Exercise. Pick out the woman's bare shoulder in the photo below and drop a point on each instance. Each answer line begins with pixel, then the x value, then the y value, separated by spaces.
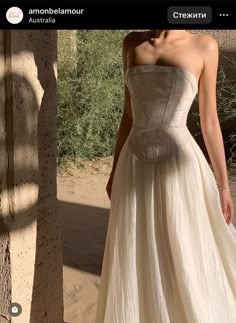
pixel 131 40
pixel 206 41
pixel 209 49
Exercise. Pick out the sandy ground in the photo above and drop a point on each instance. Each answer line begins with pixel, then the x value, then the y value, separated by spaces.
pixel 84 210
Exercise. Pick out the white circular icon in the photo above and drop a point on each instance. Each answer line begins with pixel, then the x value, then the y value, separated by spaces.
pixel 14 15
pixel 14 309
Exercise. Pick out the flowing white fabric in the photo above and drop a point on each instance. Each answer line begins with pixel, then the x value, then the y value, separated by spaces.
pixel 170 256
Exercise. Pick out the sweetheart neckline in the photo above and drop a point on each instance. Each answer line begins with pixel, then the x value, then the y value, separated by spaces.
pixel 163 67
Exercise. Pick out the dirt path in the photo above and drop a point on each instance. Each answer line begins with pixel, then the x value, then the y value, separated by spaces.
pixel 84 209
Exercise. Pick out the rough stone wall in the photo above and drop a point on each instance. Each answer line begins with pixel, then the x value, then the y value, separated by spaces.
pixel 30 236
pixel 5 265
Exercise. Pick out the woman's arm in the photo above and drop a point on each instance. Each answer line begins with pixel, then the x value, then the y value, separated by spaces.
pixel 210 125
pixel 126 119
pixel 209 121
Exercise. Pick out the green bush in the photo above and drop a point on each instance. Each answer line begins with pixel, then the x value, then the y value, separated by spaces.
pixel 90 90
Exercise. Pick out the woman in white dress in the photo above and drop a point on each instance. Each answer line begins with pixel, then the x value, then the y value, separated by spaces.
pixel 170 253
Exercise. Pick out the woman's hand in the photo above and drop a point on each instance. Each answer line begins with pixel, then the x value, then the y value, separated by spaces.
pixel 227 205
pixel 109 185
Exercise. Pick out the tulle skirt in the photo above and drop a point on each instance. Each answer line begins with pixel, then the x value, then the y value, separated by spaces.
pixel 170 256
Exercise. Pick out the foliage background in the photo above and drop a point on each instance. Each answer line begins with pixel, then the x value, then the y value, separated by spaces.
pixel 90 90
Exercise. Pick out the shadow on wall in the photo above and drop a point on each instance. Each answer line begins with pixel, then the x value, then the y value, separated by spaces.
pixel 30 131
pixel 18 176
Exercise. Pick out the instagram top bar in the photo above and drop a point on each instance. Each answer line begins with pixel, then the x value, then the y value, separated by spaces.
pixel 117 15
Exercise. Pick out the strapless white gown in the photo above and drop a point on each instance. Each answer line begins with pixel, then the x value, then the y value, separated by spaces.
pixel 170 256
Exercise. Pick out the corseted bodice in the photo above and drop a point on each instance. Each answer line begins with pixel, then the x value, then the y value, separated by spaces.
pixel 161 97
